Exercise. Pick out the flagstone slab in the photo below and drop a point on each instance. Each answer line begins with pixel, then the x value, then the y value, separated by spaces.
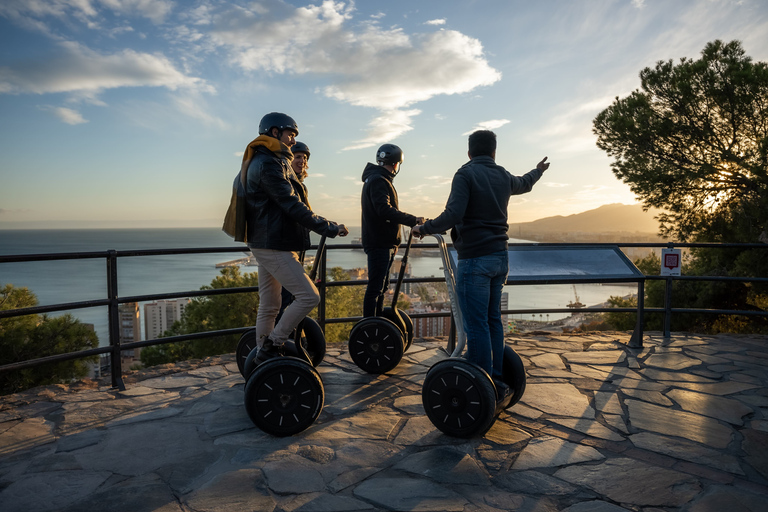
pixel 726 409
pixel 26 434
pixel 549 452
pixel 588 427
pixel 604 357
pixel 549 361
pixel 594 506
pixel 234 491
pixel 616 422
pixel 445 465
pixel 653 397
pixel 719 388
pixel 414 494
pixel 174 382
pixel 687 450
pixel 721 498
pixel 607 402
pixel 533 482
pixel 558 399
pixel 664 375
pixel 671 361
pixel 50 491
pixel 293 475
pixel 704 430
pixel 755 445
pixel 629 481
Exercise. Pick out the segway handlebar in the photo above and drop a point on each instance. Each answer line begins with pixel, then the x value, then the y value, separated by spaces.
pixel 450 280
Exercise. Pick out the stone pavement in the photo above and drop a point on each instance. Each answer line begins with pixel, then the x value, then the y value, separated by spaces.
pixel 681 425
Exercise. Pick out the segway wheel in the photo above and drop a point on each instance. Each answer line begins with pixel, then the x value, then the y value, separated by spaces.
pixel 513 374
pixel 376 344
pixel 284 396
pixel 459 398
pixel 408 329
pixel 244 346
pixel 313 341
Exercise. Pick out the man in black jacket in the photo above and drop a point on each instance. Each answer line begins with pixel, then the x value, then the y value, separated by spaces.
pixel 476 214
pixel 381 220
pixel 278 222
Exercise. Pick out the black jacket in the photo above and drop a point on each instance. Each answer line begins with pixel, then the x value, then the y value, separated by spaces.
pixel 277 213
pixel 381 217
pixel 476 211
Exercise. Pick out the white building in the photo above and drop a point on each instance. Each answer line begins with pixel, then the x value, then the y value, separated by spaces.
pixel 159 316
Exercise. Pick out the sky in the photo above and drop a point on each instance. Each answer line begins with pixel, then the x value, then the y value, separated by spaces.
pixel 136 113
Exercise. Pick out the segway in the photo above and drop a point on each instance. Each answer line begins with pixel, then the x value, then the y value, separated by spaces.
pixel 308 331
pixel 377 343
pixel 459 397
pixel 285 395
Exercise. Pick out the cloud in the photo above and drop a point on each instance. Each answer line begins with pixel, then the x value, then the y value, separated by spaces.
pixel 368 66
pixel 66 115
pixel 32 13
pixel 76 68
pixel 440 21
pixel 488 125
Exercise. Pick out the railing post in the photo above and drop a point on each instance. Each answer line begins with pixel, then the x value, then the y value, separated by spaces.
pixel 668 307
pixel 321 289
pixel 636 341
pixel 115 362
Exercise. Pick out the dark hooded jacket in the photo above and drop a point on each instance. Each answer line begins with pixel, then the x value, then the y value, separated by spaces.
pixel 277 214
pixel 476 211
pixel 381 217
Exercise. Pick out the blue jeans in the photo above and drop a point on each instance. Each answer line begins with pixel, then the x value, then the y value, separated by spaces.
pixel 479 282
pixel 379 263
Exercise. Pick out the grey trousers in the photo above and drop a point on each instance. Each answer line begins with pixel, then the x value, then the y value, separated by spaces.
pixel 278 269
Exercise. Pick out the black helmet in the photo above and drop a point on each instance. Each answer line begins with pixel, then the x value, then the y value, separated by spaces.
pixel 300 147
pixel 279 121
pixel 389 154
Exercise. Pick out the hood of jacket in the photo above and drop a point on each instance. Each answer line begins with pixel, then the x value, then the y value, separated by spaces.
pixel 377 170
pixel 267 142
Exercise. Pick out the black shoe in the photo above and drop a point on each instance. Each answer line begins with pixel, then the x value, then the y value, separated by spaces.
pixel 268 351
pixel 503 391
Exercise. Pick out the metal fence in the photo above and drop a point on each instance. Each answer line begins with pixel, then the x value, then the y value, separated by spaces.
pixel 113 299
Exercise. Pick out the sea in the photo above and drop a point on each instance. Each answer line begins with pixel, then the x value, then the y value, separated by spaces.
pixel 75 280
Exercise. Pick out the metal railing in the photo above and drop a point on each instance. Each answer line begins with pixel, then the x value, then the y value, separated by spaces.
pixel 113 299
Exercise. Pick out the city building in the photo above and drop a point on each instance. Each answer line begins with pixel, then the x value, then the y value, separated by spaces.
pixel 159 316
pixel 130 330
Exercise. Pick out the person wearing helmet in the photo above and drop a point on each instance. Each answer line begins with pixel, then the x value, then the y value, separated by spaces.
pixel 381 220
pixel 476 214
pixel 300 162
pixel 278 222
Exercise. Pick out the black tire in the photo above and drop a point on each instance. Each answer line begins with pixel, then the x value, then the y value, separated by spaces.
pixel 459 398
pixel 408 329
pixel 513 374
pixel 244 346
pixel 284 396
pixel 313 341
pixel 376 344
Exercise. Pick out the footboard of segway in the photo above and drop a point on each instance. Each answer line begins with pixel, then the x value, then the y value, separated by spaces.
pixel 376 344
pixel 459 398
pixel 284 396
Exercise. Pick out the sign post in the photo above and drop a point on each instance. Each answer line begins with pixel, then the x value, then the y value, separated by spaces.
pixel 671 261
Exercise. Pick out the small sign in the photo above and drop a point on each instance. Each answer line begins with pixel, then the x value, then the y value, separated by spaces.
pixel 671 261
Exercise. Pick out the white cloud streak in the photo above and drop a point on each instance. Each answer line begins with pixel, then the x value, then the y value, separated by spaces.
pixel 385 69
pixel 76 69
pixel 488 125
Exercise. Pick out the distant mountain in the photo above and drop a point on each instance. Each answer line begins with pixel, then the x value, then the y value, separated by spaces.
pixel 609 218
